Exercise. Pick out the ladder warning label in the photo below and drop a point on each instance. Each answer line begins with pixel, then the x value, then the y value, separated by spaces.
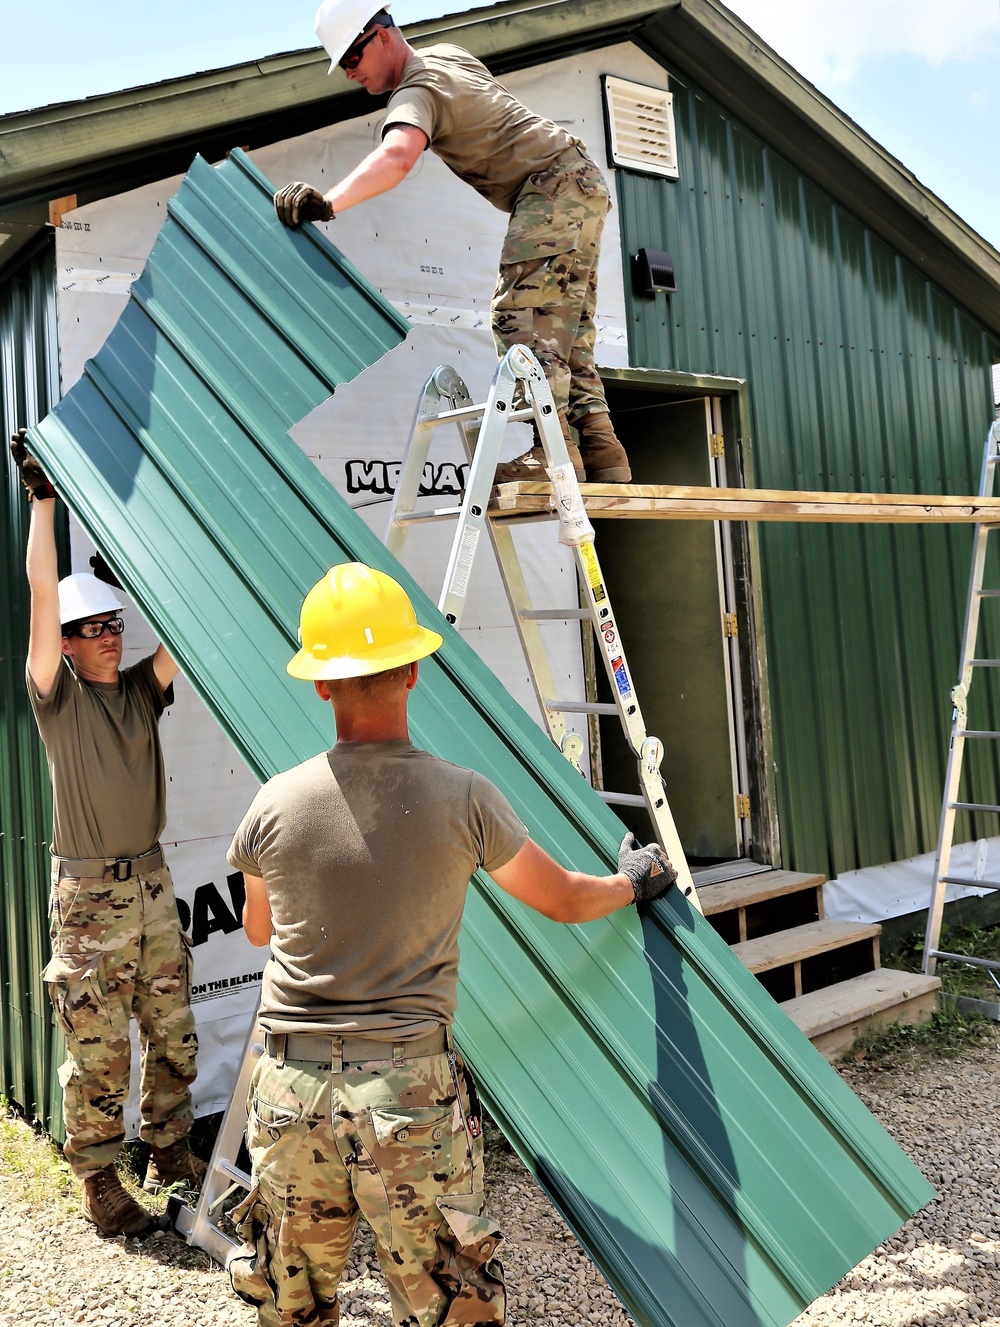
pixel 621 676
pixel 588 557
pixel 463 563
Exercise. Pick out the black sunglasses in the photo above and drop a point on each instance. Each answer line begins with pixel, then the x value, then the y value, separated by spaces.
pixel 352 58
pixel 92 629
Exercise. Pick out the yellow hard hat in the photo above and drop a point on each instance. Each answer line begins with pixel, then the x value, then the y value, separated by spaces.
pixel 357 621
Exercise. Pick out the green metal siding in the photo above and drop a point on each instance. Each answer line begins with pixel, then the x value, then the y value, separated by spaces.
pixel 30 1049
pixel 716 1167
pixel 862 376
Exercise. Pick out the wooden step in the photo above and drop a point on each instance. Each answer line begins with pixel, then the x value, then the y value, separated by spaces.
pixel 804 958
pixel 836 1016
pixel 729 894
pixel 784 947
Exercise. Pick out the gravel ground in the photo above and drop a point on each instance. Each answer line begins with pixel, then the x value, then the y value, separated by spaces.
pixel 943 1267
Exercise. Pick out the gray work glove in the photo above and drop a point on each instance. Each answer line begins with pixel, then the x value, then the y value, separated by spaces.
pixel 33 477
pixel 301 202
pixel 648 868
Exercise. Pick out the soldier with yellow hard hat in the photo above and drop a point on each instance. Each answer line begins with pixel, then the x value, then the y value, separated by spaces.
pixel 357 863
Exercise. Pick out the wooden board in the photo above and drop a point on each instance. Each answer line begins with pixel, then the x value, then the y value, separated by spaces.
pixel 680 502
pixel 729 894
pixel 799 942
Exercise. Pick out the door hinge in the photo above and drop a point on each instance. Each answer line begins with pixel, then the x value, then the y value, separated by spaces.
pixel 743 806
pixel 718 444
pixel 730 627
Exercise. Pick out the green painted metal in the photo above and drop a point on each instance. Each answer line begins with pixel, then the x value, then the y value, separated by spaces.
pixel 30 1047
pixel 715 1166
pixel 861 375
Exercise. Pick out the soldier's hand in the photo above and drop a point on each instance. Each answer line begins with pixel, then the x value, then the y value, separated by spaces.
pixel 301 202
pixel 648 868
pixel 33 477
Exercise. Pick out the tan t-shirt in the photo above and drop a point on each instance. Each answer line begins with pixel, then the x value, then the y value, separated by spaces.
pixel 367 852
pixel 109 795
pixel 473 123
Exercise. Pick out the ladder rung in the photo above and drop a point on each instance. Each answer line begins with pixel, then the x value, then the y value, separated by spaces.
pixel 622 799
pixel 984 663
pixel 987 594
pixel 435 514
pixel 471 412
pixel 972 806
pixel 580 707
pixel 972 732
pixel 224 1167
pixel 965 958
pixel 969 884
pixel 552 614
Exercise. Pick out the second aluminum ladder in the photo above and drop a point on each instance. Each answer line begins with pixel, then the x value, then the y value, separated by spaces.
pixel 969 665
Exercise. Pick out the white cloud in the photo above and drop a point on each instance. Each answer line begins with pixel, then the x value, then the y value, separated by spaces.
pixel 828 40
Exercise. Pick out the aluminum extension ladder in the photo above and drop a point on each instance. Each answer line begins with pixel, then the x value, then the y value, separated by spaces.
pixel 201 1226
pixel 961 733
pixel 482 429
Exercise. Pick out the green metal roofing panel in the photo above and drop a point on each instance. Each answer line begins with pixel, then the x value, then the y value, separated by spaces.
pixel 861 375
pixel 714 1165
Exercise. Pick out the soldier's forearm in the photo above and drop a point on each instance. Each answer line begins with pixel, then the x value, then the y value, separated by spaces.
pixel 42 563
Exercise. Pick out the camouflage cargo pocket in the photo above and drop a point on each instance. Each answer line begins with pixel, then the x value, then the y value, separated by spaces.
pixel 80 1004
pixel 248 1265
pixel 275 1132
pixel 469 1244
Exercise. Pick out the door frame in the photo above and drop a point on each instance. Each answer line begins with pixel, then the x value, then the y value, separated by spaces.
pixel 762 843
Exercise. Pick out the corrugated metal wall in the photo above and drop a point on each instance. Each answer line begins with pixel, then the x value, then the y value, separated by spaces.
pixel 29 378
pixel 863 376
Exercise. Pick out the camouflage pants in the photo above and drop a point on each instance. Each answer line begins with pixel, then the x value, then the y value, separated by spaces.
pixel 391 1141
pixel 546 295
pixel 118 953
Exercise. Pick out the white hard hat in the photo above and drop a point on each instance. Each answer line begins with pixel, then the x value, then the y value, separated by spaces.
pixel 340 22
pixel 83 595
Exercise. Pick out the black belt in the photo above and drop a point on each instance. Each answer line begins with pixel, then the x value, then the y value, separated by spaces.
pixel 324 1048
pixel 119 868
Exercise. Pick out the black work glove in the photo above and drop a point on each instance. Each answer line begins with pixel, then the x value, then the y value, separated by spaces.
pixel 648 868
pixel 301 202
pixel 103 572
pixel 33 477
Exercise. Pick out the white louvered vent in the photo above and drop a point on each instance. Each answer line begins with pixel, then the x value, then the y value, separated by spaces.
pixel 641 127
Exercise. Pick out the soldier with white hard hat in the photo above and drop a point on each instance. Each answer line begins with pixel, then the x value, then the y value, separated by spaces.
pixel 442 98
pixel 117 948
pixel 357 864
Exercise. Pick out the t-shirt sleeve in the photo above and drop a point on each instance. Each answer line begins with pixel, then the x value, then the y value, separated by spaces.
pixel 244 851
pixel 418 106
pixel 142 679
pixel 57 695
pixel 497 831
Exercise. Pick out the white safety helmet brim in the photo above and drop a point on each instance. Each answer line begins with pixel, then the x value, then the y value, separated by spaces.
pixel 339 23
pixel 83 595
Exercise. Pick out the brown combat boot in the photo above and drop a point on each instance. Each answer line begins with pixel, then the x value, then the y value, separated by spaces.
pixel 532 464
pixel 603 455
pixel 110 1208
pixel 175 1164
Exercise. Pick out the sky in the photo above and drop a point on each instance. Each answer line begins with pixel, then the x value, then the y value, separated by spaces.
pixel 919 76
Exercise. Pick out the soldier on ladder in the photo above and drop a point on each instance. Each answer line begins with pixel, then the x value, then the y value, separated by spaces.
pixel 444 99
pixel 357 864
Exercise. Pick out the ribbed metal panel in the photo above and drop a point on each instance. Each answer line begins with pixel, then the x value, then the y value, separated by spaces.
pixel 30 1049
pixel 716 1167
pixel 862 375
